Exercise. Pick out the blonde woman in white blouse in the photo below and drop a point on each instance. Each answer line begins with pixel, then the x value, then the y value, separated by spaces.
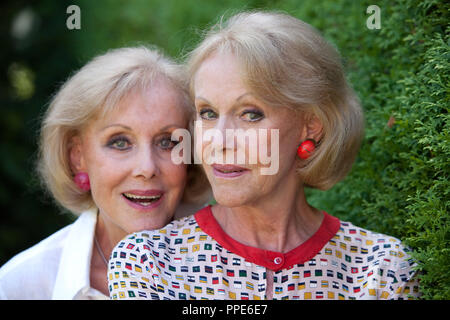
pixel 274 74
pixel 105 156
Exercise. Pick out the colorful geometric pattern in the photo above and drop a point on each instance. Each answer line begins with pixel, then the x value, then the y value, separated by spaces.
pixel 181 261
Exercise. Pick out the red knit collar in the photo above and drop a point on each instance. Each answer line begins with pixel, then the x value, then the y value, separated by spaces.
pixel 270 259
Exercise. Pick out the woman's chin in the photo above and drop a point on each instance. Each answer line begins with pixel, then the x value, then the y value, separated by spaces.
pixel 231 200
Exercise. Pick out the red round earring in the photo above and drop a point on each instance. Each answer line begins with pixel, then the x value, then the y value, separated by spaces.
pixel 306 148
pixel 81 179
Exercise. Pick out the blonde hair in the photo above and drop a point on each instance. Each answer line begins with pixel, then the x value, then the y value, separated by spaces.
pixel 95 90
pixel 286 62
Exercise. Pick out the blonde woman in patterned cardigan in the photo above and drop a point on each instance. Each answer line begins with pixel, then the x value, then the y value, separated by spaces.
pixel 274 74
pixel 106 157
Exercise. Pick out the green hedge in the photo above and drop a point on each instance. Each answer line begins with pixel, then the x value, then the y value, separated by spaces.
pixel 399 183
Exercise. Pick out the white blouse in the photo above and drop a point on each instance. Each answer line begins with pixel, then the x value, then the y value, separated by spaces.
pixel 193 258
pixel 58 267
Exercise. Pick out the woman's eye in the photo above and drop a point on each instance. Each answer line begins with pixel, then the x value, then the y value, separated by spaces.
pixel 167 143
pixel 252 115
pixel 119 143
pixel 208 114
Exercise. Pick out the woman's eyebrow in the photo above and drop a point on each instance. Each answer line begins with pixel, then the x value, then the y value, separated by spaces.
pixel 201 98
pixel 167 127
pixel 170 126
pixel 237 99
pixel 243 95
pixel 116 125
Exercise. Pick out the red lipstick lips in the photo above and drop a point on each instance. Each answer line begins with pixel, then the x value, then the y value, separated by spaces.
pixel 228 171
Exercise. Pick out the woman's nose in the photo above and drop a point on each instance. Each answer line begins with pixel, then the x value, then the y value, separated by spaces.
pixel 146 165
pixel 225 133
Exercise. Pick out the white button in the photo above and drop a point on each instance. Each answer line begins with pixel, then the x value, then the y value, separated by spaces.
pixel 278 260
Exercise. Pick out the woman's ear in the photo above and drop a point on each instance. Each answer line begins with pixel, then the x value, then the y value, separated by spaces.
pixel 313 127
pixel 77 163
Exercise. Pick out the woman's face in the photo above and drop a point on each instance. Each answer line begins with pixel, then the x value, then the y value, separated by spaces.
pixel 126 154
pixel 222 102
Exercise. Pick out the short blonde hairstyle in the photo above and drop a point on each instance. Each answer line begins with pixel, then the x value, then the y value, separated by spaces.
pixel 95 90
pixel 286 62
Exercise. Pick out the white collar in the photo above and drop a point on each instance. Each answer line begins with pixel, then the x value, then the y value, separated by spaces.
pixel 75 264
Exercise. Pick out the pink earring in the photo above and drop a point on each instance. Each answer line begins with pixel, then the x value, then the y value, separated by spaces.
pixel 306 148
pixel 81 179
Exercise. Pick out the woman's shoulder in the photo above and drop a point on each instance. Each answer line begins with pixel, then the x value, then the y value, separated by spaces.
pixel 50 246
pixel 35 267
pixel 384 256
pixel 374 248
pixel 173 228
pixel 360 237
pixel 171 234
pixel 38 266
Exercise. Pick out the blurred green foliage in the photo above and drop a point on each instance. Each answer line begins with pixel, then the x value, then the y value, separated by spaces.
pixel 399 183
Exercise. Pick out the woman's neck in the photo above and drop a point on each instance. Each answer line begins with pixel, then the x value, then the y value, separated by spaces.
pixel 279 223
pixel 107 234
pixel 101 252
